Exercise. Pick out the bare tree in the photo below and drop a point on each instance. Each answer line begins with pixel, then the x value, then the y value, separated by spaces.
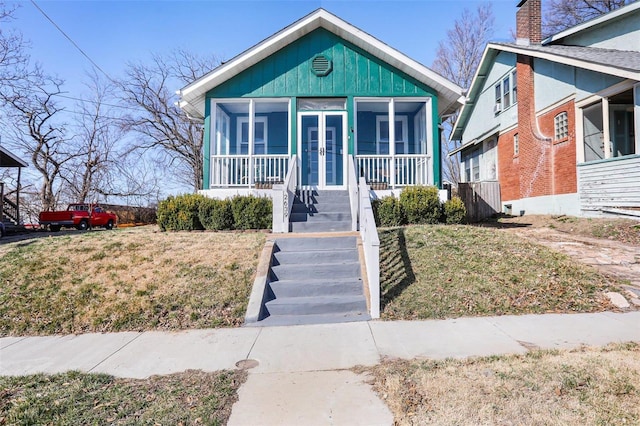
pixel 98 133
pixel 40 133
pixel 458 58
pixel 562 14
pixel 160 123
pixel 13 58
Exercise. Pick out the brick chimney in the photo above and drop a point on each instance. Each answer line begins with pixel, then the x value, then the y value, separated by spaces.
pixel 529 22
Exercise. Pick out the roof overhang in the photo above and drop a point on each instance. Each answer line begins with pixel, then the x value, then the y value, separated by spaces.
pixel 192 96
pixel 477 83
pixel 7 159
pixel 567 60
pixel 475 141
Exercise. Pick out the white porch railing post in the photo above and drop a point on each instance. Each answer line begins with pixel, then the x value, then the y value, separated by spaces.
pixel 371 246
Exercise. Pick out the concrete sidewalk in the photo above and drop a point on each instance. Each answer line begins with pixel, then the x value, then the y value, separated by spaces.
pixel 311 358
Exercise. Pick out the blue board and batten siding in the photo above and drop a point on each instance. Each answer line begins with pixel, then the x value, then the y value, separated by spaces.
pixel 355 74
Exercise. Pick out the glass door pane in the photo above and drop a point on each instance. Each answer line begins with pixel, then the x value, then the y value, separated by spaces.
pixel 333 150
pixel 310 150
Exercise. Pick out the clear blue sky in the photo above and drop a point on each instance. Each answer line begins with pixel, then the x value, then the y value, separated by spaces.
pixel 115 32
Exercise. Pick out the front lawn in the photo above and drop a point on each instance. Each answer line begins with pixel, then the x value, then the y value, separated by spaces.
pixel 580 387
pixel 437 271
pixel 74 398
pixel 128 279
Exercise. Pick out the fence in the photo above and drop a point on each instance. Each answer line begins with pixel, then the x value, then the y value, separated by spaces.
pixel 481 199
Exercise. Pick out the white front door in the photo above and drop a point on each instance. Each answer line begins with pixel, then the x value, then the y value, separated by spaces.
pixel 322 149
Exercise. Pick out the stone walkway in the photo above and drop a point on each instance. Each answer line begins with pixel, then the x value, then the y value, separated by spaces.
pixel 607 256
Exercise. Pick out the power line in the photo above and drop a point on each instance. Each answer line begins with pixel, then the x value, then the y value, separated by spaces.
pixel 96 102
pixel 71 40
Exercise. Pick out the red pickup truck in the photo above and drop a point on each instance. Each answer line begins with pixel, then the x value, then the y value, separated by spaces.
pixel 80 216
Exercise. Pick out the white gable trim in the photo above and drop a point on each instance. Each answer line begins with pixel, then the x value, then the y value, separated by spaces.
pixel 192 96
pixel 13 157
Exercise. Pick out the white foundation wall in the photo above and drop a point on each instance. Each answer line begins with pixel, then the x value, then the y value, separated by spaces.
pixel 223 193
pixel 565 204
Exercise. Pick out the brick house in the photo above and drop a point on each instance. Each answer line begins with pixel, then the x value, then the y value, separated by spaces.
pixel 553 120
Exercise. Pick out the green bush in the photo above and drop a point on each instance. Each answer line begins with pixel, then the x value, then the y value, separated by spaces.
pixel 216 215
pixel 251 212
pixel 421 204
pixel 388 212
pixel 454 211
pixel 180 213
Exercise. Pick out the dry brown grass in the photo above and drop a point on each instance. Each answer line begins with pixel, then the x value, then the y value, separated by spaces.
pixel 131 279
pixel 581 387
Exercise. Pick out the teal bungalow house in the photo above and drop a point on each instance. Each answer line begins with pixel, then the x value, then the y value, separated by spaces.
pixel 314 101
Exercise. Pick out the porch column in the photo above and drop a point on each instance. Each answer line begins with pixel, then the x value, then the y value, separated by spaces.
pixel 18 197
pixel 392 143
pixel 252 108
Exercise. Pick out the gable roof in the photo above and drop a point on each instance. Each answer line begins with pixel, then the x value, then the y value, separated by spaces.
pixel 7 159
pixel 592 23
pixel 621 63
pixel 192 96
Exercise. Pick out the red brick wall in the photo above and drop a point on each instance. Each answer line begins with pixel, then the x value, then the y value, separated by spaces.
pixel 508 167
pixel 563 155
pixel 543 166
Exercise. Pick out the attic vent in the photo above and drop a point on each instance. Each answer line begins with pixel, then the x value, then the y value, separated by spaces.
pixel 321 65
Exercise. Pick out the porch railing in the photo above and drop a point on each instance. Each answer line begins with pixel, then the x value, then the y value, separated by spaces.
pixel 386 171
pixel 249 171
pixel 371 247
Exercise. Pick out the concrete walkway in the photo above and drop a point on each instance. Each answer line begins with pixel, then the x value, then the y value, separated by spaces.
pixel 300 375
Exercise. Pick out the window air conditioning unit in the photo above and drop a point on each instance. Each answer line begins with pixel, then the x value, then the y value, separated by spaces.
pixel 497 108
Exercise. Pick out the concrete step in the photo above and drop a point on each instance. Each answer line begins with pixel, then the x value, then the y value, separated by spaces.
pixel 315 271
pixel 321 208
pixel 307 227
pixel 283 320
pixel 314 243
pixel 315 257
pixel 309 288
pixel 343 305
pixel 320 217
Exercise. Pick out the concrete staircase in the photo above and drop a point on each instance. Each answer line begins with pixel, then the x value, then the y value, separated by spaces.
pixel 320 211
pixel 314 281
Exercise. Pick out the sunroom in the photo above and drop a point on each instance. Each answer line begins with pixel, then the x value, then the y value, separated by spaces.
pixel 316 100
pixel 250 144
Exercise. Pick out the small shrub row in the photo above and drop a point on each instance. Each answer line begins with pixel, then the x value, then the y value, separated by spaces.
pixel 191 212
pixel 418 205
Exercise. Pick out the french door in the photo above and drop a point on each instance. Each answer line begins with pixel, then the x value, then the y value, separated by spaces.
pixel 322 149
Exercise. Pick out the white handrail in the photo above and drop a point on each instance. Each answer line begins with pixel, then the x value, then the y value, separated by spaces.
pixel 283 196
pixel 371 246
pixel 352 187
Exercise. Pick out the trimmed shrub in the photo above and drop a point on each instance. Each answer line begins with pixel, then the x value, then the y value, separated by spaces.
pixel 421 204
pixel 216 215
pixel 252 212
pixel 454 211
pixel 388 212
pixel 180 213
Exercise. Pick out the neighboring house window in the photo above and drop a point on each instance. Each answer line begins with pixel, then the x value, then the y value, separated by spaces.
pixel 561 126
pixel 514 85
pixel 472 165
pixel 260 135
pixel 506 92
pixel 401 136
pixel 516 145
